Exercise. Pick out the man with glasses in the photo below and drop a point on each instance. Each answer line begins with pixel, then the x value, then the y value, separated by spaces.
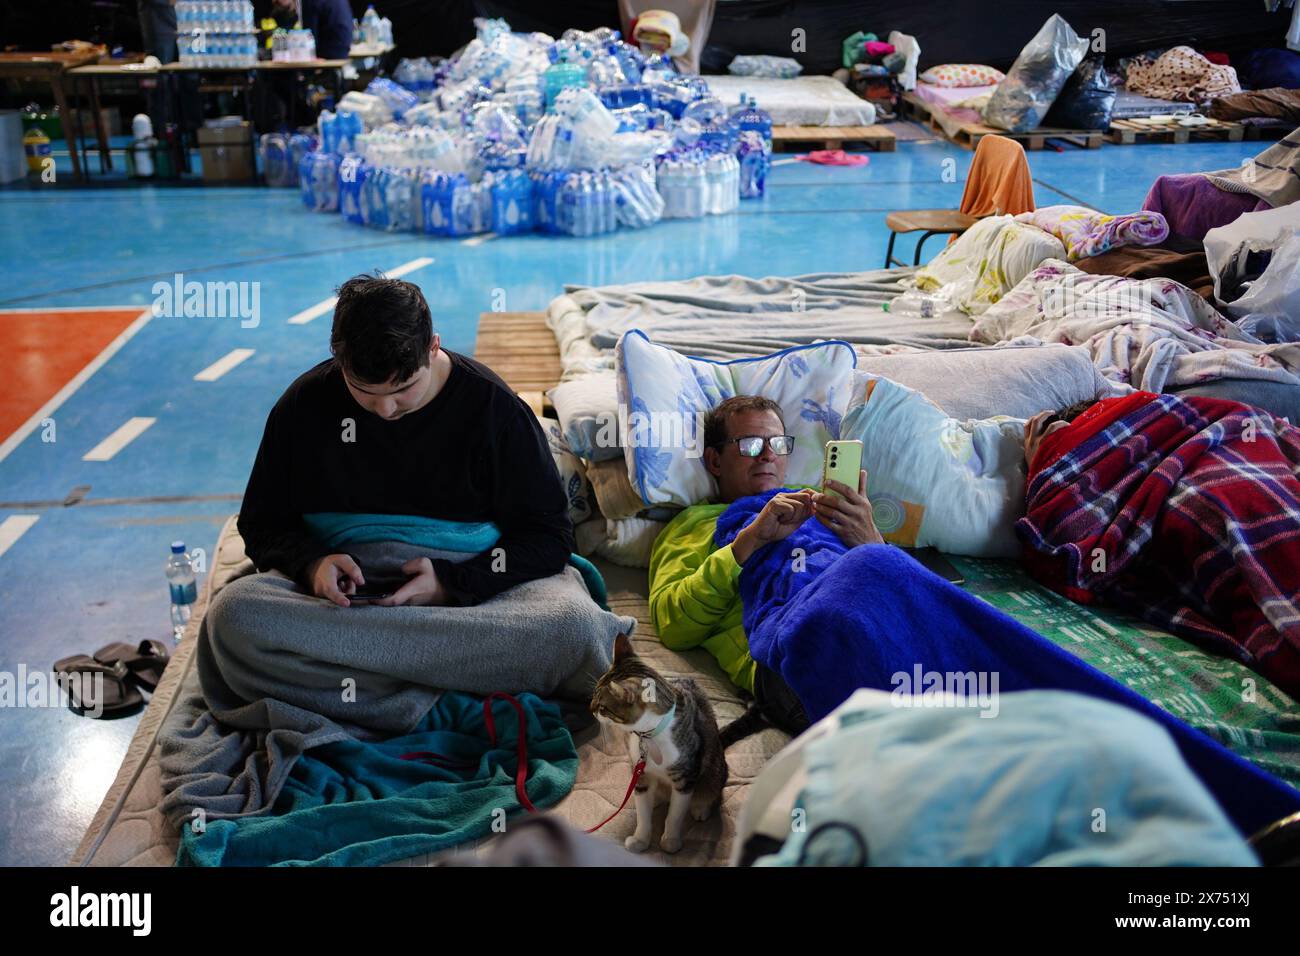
pixel 694 587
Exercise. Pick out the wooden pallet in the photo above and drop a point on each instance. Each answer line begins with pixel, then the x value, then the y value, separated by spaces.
pixel 1127 132
pixel 876 138
pixel 520 348
pixel 969 135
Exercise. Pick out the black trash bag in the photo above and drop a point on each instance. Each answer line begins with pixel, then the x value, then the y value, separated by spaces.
pixel 1087 100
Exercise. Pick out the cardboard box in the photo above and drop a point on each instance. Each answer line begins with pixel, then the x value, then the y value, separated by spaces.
pixel 226 153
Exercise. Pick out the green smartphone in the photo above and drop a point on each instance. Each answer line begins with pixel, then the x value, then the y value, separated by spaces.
pixel 843 463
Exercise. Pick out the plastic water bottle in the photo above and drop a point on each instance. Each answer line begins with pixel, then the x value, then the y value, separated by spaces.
pixel 180 577
pixel 754 164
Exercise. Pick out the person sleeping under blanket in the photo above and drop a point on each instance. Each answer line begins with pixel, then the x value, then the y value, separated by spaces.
pixel 1184 510
pixel 801 602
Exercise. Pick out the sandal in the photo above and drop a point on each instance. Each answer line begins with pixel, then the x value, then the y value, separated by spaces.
pixel 145 661
pixel 112 697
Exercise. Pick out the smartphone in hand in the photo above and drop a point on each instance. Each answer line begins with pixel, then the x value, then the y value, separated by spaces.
pixel 843 462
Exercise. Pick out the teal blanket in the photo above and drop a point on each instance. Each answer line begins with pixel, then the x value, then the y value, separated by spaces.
pixel 338 529
pixel 351 803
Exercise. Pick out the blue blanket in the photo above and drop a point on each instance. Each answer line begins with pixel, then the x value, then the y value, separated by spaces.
pixel 830 619
pixel 338 529
pixel 352 803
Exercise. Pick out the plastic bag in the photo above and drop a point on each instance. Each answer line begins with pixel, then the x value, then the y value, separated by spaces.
pixel 1086 101
pixel 1035 80
pixel 1230 251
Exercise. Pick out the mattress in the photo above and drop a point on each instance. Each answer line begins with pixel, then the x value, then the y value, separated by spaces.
pixel 129 830
pixel 801 101
pixel 945 98
pixel 1128 105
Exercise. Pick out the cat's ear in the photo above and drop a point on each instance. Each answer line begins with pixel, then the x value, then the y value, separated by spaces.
pixel 623 648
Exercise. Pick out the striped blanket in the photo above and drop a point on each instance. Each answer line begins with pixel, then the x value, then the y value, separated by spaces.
pixel 1185 511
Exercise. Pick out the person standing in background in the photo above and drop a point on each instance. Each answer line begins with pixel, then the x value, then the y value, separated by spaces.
pixel 158 28
pixel 330 22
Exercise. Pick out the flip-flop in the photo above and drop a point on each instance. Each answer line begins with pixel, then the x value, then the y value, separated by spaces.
pixel 145 661
pixel 118 696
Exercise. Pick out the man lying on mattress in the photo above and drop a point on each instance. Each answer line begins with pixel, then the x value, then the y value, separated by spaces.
pixel 1184 511
pixel 799 599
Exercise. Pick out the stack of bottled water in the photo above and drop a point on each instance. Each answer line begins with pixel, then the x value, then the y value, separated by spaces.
pixel 512 201
pixel 293 46
pixel 339 131
pixel 318 181
pixel 454 206
pixel 376 30
pixel 579 136
pixel 754 160
pixel 417 76
pixel 282 155
pixel 698 182
pixel 216 33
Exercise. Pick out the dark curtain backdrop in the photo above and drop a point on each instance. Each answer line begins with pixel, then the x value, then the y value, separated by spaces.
pixel 949 30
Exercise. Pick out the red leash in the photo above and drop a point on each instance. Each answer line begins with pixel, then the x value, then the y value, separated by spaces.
pixel 521 767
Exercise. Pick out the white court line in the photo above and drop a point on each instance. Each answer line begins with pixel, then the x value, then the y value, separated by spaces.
pixel 784 162
pixel 13 528
pixel 223 365
pixel 478 240
pixel 110 446
pixel 320 308
pixel 63 394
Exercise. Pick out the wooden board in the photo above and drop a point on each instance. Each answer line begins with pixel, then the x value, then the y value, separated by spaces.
pixel 876 138
pixel 520 348
pixel 1127 132
pixel 969 134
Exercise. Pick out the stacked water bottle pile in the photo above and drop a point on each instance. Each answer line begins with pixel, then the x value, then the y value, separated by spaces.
pixel 293 46
pixel 581 135
pixel 216 33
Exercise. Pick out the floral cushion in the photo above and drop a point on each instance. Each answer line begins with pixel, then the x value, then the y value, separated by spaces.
pixel 962 74
pixel 666 395
pixel 573 476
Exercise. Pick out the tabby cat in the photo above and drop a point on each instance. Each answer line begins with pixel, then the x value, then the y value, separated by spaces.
pixel 672 726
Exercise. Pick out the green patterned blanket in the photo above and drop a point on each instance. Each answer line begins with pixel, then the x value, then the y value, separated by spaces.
pixel 1221 697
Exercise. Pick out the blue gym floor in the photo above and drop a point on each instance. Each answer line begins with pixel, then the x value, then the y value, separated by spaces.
pixel 85 575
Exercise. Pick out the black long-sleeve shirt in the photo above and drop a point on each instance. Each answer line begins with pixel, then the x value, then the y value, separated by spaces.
pixel 475 452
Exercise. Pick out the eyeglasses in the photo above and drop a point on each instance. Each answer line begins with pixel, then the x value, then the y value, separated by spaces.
pixel 751 446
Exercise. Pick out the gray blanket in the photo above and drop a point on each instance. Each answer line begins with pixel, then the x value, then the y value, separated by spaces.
pixel 724 317
pixel 279 672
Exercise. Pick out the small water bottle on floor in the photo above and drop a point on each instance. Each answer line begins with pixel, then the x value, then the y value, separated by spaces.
pixel 180 576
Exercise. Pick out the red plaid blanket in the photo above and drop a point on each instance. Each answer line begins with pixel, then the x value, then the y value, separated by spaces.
pixel 1185 511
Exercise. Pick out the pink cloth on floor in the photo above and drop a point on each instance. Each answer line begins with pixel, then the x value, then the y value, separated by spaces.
pixel 834 157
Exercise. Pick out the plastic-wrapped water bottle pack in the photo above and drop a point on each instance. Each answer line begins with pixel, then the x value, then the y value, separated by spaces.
pixel 579 136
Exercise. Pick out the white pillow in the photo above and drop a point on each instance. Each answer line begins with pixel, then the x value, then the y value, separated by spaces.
pixel 667 394
pixel 1019 381
pixel 937 482
pixel 588 410
pixel 573 476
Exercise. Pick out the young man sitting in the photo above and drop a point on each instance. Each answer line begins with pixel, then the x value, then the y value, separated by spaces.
pixel 694 586
pixel 394 424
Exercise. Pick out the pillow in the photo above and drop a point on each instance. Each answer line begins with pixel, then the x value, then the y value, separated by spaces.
pixel 588 410
pixel 615 495
pixel 986 261
pixel 934 481
pixel 667 395
pixel 962 74
pixel 980 382
pixel 573 477
pixel 625 542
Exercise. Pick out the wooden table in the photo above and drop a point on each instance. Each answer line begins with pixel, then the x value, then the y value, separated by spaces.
pixel 51 68
pixel 90 75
